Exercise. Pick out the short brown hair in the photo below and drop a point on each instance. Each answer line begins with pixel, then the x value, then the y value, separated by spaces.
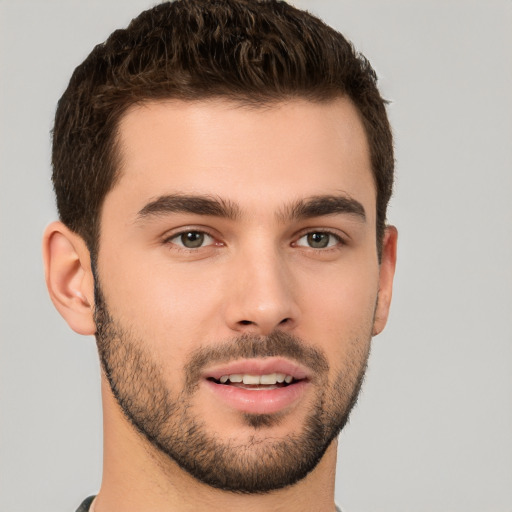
pixel 256 52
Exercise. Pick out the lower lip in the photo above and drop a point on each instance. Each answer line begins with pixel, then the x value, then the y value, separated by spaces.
pixel 261 401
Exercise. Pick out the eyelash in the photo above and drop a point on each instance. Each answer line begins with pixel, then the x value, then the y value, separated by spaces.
pixel 171 239
pixel 339 240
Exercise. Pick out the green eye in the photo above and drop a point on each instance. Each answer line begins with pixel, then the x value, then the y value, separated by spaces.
pixel 319 240
pixel 192 239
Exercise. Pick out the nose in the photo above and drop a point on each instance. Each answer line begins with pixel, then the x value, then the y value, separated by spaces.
pixel 262 297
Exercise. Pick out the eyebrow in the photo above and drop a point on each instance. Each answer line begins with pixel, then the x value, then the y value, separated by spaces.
pixel 318 206
pixel 199 205
pixel 315 206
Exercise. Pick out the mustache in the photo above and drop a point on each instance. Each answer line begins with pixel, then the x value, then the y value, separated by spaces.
pixel 251 346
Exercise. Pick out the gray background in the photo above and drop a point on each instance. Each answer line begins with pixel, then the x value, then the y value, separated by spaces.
pixel 432 431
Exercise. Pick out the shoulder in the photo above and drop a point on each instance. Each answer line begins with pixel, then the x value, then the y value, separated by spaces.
pixel 84 507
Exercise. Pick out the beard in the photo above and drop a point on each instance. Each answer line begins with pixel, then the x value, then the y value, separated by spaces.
pixel 165 417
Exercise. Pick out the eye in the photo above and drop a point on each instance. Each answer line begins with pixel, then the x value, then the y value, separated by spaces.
pixel 191 239
pixel 319 240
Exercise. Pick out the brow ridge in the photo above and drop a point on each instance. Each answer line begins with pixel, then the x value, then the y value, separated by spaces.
pixel 186 203
pixel 322 205
pixel 315 206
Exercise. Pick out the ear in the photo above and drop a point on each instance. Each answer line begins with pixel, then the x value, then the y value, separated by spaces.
pixel 386 274
pixel 69 278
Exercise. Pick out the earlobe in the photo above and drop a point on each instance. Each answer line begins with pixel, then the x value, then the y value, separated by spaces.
pixel 68 277
pixel 386 275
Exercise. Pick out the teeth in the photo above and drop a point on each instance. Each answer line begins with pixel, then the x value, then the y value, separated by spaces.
pixel 251 379
pixel 267 379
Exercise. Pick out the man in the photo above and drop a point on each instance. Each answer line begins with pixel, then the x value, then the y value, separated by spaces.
pixel 222 171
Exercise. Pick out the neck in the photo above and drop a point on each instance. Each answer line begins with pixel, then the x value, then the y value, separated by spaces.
pixel 137 477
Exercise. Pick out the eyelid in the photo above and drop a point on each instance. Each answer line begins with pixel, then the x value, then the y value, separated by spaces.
pixel 341 238
pixel 171 235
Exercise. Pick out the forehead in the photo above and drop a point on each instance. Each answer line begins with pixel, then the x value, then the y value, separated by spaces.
pixel 257 157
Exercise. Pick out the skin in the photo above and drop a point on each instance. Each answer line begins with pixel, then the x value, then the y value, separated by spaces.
pixel 255 274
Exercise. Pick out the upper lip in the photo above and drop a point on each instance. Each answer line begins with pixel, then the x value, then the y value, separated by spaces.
pixel 258 367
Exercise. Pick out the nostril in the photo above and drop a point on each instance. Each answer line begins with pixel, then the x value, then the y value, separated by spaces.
pixel 284 323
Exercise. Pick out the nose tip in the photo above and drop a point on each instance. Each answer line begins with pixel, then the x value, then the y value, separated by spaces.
pixel 262 298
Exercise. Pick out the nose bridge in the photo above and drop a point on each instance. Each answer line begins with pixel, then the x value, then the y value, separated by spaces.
pixel 262 297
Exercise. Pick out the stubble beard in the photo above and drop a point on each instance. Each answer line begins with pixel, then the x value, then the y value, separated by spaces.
pixel 259 464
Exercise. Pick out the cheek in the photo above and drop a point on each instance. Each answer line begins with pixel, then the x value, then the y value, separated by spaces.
pixel 168 307
pixel 340 305
pixel 344 305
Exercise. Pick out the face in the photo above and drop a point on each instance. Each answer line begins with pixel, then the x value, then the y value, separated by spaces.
pixel 237 284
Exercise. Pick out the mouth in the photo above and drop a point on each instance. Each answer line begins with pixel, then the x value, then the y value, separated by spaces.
pixel 264 386
pixel 267 381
